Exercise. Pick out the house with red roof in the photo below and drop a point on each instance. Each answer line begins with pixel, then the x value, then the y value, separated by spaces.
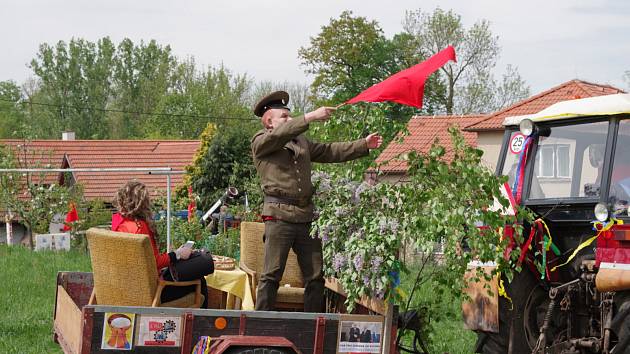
pixel 70 154
pixel 484 131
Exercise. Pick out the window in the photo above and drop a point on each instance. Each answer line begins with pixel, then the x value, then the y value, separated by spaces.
pixel 620 179
pixel 554 161
pixel 562 161
pixel 565 151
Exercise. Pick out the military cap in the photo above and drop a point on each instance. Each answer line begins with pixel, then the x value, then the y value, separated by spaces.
pixel 278 99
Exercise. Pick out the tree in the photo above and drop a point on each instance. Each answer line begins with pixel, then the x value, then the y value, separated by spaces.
pixel 224 157
pixel 141 78
pixel 125 91
pixel 470 85
pixel 11 110
pixel 74 86
pixel 351 54
pixel 216 94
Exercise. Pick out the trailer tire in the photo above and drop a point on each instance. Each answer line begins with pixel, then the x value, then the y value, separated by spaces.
pixel 258 350
pixel 511 337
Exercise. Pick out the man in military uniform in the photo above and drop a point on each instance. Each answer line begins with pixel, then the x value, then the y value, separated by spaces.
pixel 283 156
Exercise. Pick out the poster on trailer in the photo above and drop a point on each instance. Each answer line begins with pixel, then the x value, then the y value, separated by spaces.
pixel 159 331
pixel 118 331
pixel 359 335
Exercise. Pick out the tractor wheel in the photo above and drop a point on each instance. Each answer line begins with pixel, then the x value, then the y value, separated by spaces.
pixel 520 320
pixel 621 323
pixel 259 350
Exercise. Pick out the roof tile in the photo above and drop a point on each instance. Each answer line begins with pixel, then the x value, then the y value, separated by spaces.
pixel 423 131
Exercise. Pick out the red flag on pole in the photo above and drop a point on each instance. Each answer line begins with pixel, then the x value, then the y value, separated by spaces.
pixel 407 86
pixel 71 217
pixel 192 207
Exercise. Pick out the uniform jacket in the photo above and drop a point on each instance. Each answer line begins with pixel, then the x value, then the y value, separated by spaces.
pixel 283 157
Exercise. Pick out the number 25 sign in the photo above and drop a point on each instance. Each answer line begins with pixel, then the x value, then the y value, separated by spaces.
pixel 517 143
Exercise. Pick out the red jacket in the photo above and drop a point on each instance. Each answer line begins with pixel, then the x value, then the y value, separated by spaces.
pixel 122 224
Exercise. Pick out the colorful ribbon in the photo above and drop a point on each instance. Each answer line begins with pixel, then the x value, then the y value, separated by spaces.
pixel 604 227
pixel 517 188
pixel 503 293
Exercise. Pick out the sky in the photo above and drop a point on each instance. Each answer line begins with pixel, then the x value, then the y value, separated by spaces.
pixel 550 41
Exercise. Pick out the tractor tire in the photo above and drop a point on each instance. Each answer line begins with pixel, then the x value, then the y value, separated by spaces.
pixel 258 350
pixel 621 323
pixel 513 336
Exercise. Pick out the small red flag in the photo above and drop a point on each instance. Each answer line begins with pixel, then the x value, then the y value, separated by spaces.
pixel 407 86
pixel 192 207
pixel 71 217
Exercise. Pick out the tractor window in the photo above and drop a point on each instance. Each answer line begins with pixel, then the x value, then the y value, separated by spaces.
pixel 568 162
pixel 620 178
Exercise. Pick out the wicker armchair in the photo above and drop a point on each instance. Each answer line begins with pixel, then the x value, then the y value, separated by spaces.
pixel 252 262
pixel 125 273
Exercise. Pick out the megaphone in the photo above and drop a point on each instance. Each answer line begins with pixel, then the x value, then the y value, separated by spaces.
pixel 230 192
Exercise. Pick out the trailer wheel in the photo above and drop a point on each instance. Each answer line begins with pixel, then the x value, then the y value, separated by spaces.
pixel 258 350
pixel 515 328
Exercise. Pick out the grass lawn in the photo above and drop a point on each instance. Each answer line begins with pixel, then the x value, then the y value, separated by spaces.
pixel 28 281
pixel 446 327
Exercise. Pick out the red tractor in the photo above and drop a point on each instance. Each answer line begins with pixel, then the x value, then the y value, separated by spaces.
pixel 570 165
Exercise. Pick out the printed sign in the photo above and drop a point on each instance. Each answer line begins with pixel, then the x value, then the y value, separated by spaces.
pixel 360 337
pixel 159 331
pixel 517 143
pixel 118 331
pixel 53 242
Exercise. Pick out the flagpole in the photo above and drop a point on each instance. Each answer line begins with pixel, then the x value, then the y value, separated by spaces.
pixel 340 105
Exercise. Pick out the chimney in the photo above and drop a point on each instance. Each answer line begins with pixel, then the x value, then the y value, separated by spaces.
pixel 67 136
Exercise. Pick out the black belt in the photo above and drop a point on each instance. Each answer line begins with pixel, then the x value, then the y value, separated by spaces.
pixel 286 200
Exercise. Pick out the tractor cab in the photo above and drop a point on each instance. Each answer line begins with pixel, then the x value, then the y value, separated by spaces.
pixel 571 156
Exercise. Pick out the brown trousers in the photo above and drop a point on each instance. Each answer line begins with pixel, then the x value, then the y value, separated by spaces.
pixel 280 237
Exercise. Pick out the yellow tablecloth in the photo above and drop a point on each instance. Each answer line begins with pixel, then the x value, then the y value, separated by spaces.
pixel 233 282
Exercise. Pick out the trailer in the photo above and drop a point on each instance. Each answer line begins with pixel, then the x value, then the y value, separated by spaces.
pixel 80 328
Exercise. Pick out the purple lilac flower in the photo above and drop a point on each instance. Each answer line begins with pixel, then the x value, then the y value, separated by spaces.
pixel 366 280
pixel 382 226
pixel 341 212
pixel 338 261
pixel 376 263
pixel 325 232
pixel 356 196
pixel 358 262
pixel 393 225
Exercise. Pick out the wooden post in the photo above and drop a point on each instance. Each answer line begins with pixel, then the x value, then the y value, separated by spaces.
pixel 88 325
pixel 320 331
pixel 387 328
pixel 187 343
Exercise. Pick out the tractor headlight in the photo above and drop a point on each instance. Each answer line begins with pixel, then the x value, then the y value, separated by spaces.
pixel 526 127
pixel 601 212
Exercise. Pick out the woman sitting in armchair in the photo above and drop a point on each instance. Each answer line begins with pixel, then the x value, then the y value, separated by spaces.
pixel 135 216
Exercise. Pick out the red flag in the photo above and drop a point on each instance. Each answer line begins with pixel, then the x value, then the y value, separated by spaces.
pixel 192 208
pixel 407 86
pixel 71 217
